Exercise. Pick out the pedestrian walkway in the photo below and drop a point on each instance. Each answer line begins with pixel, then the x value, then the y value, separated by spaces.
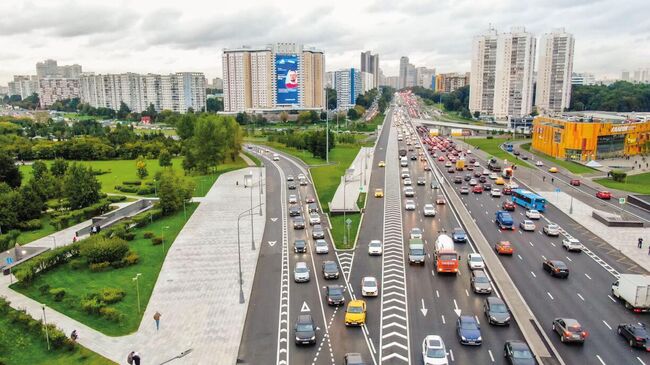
pixel 347 193
pixel 197 291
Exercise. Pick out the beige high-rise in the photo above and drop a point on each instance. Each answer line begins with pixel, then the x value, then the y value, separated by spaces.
pixel 554 71
pixel 483 73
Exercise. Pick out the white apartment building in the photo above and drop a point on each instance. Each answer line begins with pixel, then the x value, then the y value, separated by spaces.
pixel 583 78
pixel 392 81
pixel 555 68
pixel 348 84
pixel 425 77
pixel 515 62
pixel 370 64
pixel 53 89
pixel 640 75
pixel 217 83
pixel 483 73
pixel 367 82
pixel 50 68
pixel 23 85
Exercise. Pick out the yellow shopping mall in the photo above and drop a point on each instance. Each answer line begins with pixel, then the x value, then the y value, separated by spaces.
pixel 590 140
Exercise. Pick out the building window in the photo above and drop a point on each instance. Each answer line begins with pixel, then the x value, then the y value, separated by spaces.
pixel 610 146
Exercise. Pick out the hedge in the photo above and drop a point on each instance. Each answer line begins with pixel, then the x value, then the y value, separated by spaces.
pixel 116 198
pixel 30 225
pixel 146 190
pixel 8 239
pixel 98 249
pixel 27 271
pixel 618 175
pixel 127 188
pixel 132 182
pixel 76 216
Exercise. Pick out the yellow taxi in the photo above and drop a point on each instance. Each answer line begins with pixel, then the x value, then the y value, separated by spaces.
pixel 552 169
pixel 379 193
pixel 355 313
pixel 381 164
pixel 499 181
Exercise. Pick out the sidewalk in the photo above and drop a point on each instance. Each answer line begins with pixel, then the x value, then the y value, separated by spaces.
pixel 197 291
pixel 360 178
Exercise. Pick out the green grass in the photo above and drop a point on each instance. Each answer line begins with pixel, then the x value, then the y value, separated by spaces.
pixel 77 283
pixel 252 157
pixel 371 126
pixel 29 236
pixel 639 183
pixel 82 117
pixel 23 347
pixel 573 167
pixel 492 147
pixel 338 228
pixel 304 155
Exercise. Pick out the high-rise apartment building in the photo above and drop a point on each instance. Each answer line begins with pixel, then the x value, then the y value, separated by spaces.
pixel 640 75
pixel 275 77
pixel 348 85
pixel 403 71
pixel 554 70
pixel 583 78
pixel 450 82
pixel 23 85
pixel 50 68
pixel 370 64
pixel 513 89
pixel 367 81
pixel 483 73
pixel 425 77
pixel 217 83
pixel 53 89
pixel 392 81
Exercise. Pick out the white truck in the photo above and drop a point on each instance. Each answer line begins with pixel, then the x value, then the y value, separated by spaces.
pixel 634 291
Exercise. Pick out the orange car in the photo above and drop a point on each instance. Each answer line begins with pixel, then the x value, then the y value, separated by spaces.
pixel 504 248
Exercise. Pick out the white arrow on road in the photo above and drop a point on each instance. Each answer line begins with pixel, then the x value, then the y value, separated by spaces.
pixel 273 219
pixel 305 308
pixel 272 243
pixel 423 309
pixel 456 308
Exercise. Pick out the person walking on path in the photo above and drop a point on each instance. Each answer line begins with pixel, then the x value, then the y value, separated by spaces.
pixel 136 358
pixel 543 178
pixel 640 242
pixel 156 317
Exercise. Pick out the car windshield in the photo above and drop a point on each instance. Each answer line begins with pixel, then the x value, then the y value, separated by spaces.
pixel 300 243
pixel 369 282
pixel 481 279
pixel 304 327
pixel 321 243
pixel 641 332
pixel 447 257
pixel 475 259
pixel 416 231
pixel 375 244
pixel 552 226
pixel 330 266
pixel 498 308
pixel 301 269
pixel 467 325
pixel 335 290
pixel 522 354
pixel 355 309
pixel 436 353
pixel 417 251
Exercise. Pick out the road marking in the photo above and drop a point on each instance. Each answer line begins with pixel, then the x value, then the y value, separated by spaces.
pixel 531 243
pixel 424 310
pixel 518 255
pixel 568 258
pixel 610 297
pixel 549 294
pixel 533 274
pixel 607 324
pixel 456 310
pixel 272 243
pixel 274 219
pixel 553 244
pixel 433 274
pixel 641 361
pixel 437 294
pixel 451 354
pixel 491 356
pixel 588 277
pixel 466 293
pixel 544 257
pixel 601 360
pixel 304 308
pixel 443 319
pixel 580 296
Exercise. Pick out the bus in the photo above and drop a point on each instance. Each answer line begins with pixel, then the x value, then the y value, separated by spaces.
pixel 508 147
pixel 528 199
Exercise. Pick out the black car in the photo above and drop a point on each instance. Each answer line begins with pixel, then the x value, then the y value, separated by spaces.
pixel 487 186
pixel 299 223
pixel 334 295
pixel 482 179
pixel 317 232
pixel 496 311
pixel 312 207
pixel 467 177
pixel 451 170
pixel 518 353
pixel 330 270
pixel 305 330
pixel 294 211
pixel 635 334
pixel 524 157
pixel 556 268
pixel 299 246
pixel 292 186
pixel 458 180
pixel 516 153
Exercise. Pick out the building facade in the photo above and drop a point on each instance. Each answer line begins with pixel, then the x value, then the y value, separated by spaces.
pixel 50 68
pixel 23 85
pixel 554 74
pixel 53 89
pixel 590 139
pixel 217 83
pixel 348 85
pixel 583 78
pixel 392 81
pixel 425 77
pixel 483 73
pixel 403 72
pixel 370 64
pixel 450 82
pixel 281 76
pixel 367 82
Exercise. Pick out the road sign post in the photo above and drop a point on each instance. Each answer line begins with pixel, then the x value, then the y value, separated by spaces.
pixel 348 223
pixel 621 202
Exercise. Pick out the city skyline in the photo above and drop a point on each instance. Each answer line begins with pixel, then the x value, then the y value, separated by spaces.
pixel 122 37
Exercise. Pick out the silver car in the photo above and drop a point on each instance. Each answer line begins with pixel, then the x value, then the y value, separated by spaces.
pixel 551 230
pixel 572 244
pixel 480 282
pixel 409 205
pixel 321 246
pixel 475 261
pixel 314 218
pixel 301 272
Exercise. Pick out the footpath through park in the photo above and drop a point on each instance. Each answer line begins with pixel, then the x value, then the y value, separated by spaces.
pixel 197 291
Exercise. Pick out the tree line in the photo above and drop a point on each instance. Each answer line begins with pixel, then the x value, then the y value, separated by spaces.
pixel 621 96
pixel 457 101
pixel 314 141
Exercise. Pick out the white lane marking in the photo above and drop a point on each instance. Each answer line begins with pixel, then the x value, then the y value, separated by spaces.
pixel 610 297
pixel 553 244
pixel 443 319
pixel 568 258
pixel 531 243
pixel 544 257
pixel 518 255
pixel 451 354
pixel 549 294
pixel 588 277
pixel 491 356
pixel 581 297
pixel 641 361
pixel 433 273
pixel 466 293
pixel 607 324
pixel 533 274
pixel 437 294
pixel 601 360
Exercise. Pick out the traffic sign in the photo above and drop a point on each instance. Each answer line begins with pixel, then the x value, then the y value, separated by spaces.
pixel 557 190
pixel 9 260
pixel 621 201
pixel 348 221
pixel 362 189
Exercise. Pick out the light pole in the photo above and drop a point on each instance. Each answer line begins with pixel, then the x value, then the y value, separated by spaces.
pixel 248 181
pixel 47 334
pixel 241 278
pixel 327 135
pixel 162 237
pixel 137 288
pixel 571 206
pixel 260 190
pixel 345 237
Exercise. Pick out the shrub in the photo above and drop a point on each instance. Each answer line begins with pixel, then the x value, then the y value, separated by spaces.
pixel 156 241
pixel 110 295
pixel 100 266
pixel 91 305
pixel 58 339
pixel 618 175
pixel 44 289
pixel 29 270
pixel 131 259
pixel 116 198
pixel 99 248
pixel 131 182
pixel 126 188
pixel 148 234
pixel 129 236
pixel 77 264
pixel 146 190
pixel 58 294
pixel 30 225
pixel 111 314
pixel 489 137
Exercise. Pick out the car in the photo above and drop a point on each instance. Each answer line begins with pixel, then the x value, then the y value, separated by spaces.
pixel 415 233
pixel 636 335
pixel 469 167
pixel 495 193
pixel 480 282
pixel 459 235
pixel 422 180
pixel 475 261
pixel 355 313
pixel 440 200
pixel 330 270
pixel 478 189
pixel 434 184
pixel 605 195
pixel 299 246
pixel 301 272
pixel 379 193
pixel 499 181
pixel 302 177
pixel 487 186
pixel 507 191
pixel 405 174
pixel 464 190
pixel 381 164
pixel 310 199
pixel 516 153
pixel 504 248
pixel 305 330
pixel 429 210
pixel 527 225
pixel 321 246
pixel 493 176
pixel 294 211
pixel 553 170
pixel 375 248
pixel 551 230
pixel 486 172
pixel 451 170
pixel 508 205
pixel 353 358
pixel 409 192
pixel 472 182
pixel 496 311
pixel 467 177
pixel 317 232
pixel 575 182
pixel 312 207
pixel 407 182
pixel 477 174
pixel 293 199
pixel 334 294
pixel 556 268
pixel 298 223
pixel 409 204
pixel 482 179
pixel 441 158
pixel 414 157
pixel 448 164
pixel 539 163
pixel 533 214
pixel 290 178
pixel 572 244
pixel 524 157
pixel 291 186
pixel 468 331
pixel 434 351
pixel 518 353
pixel 427 167
pixel 369 286
pixel 458 180
pixel 569 330
pixel 276 157
pixel 303 182
pixel 314 218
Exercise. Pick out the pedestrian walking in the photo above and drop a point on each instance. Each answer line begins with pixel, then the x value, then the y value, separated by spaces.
pixel 640 242
pixel 129 359
pixel 74 239
pixel 136 358
pixel 74 336
pixel 156 317
pixel 552 180
pixel 543 178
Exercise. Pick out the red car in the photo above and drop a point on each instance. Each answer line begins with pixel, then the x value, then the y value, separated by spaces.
pixel 575 182
pixel 478 189
pixel 506 191
pixel 606 195
pixel 441 158
pixel 504 248
pixel 508 205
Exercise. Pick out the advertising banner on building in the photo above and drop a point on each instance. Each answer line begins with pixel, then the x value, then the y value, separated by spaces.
pixel 286 71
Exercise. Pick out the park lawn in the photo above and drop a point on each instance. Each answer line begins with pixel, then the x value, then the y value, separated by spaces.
pixel 29 236
pixel 78 283
pixel 639 183
pixel 493 147
pixel 574 167
pixel 370 126
pixel 328 177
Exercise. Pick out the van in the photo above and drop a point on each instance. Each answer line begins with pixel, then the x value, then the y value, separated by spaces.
pixel 403 162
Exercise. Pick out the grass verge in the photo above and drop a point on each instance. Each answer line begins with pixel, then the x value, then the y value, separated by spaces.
pixel 493 147
pixel 573 167
pixel 253 158
pixel 639 183
pixel 77 283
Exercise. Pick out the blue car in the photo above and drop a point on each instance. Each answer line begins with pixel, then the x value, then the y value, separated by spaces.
pixel 459 235
pixel 468 331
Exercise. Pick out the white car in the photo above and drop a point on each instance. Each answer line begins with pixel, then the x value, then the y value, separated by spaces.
pixel 533 214
pixel 276 157
pixel 408 182
pixel 321 246
pixel 493 176
pixel 429 210
pixel 301 272
pixel 289 177
pixel 475 261
pixel 434 351
pixel 301 177
pixel 448 164
pixel 495 193
pixel 416 233
pixel 476 164
pixel 293 199
pixel 369 286
pixel 375 248
pixel 572 244
pixel 409 192
pixel 314 218
pixel 539 163
pixel 409 205
pixel 527 225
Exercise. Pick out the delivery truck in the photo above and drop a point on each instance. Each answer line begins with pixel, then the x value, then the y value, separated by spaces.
pixel 634 291
pixel 445 255
pixel 460 164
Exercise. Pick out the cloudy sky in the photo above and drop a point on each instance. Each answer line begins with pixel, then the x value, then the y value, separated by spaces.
pixel 164 36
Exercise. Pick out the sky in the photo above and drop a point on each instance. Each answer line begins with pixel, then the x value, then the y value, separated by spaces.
pixel 162 36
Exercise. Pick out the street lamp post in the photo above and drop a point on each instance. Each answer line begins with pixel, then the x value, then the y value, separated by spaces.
pixel 248 181
pixel 241 278
pixel 162 237
pixel 327 135
pixel 261 191
pixel 47 334
pixel 137 288
pixel 54 239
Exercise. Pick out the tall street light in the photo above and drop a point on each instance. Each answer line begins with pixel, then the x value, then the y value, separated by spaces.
pixel 327 135
pixel 241 278
pixel 248 182
pixel 137 288
pixel 261 188
pixel 47 334
pixel 162 237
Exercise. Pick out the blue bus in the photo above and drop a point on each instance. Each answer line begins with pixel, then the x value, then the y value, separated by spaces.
pixel 508 147
pixel 528 199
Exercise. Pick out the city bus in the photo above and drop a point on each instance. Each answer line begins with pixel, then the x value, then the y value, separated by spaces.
pixel 508 147
pixel 528 199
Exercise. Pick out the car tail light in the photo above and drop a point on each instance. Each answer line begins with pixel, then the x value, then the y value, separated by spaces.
pixel 637 310
pixel 567 334
pixel 557 270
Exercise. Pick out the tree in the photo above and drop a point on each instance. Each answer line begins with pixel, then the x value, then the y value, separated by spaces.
pixel 304 117
pixel 284 116
pixel 477 114
pixel 9 200
pixel 214 105
pixel 243 118
pixel 331 98
pixel 123 111
pixel 323 115
pixel 141 166
pixel 80 186
pixel 173 191
pixel 59 167
pixel 353 114
pixel 9 172
pixel 185 126
pixel 31 203
pixel 164 158
pixel 150 112
pixel 39 169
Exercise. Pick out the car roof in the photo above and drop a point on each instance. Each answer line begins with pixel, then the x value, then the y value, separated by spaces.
pixel 467 319
pixel 301 264
pixel 494 300
pixel 558 263
pixel 570 322
pixel 300 241
pixel 518 345
pixel 478 272
pixel 369 278
pixel 356 303
pixel 434 342
pixel 304 318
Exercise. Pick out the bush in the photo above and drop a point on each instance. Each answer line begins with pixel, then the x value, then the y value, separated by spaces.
pixel 116 198
pixel 91 305
pixel 7 240
pixel 111 314
pixel 157 241
pixel 126 188
pixel 146 190
pixel 77 264
pixel 132 182
pixel 58 339
pixel 148 234
pixel 99 248
pixel 110 295
pixel 29 270
pixel 44 289
pixel 618 175
pixel 100 266
pixel 58 294
pixel 30 225
pixel 129 236
pixel 131 259
pixel 489 137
